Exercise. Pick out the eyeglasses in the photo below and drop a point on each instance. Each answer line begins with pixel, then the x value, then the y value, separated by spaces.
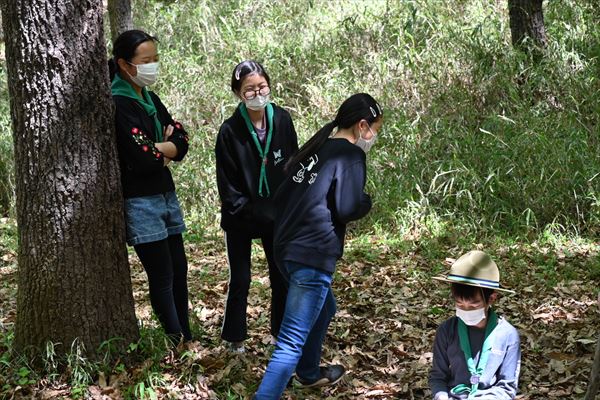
pixel 250 94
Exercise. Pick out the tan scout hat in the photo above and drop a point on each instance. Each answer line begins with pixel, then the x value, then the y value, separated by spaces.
pixel 475 268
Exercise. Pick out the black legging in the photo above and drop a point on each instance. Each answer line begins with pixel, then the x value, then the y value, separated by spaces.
pixel 166 266
pixel 238 254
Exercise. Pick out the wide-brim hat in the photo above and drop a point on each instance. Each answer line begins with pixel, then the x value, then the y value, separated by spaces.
pixel 476 268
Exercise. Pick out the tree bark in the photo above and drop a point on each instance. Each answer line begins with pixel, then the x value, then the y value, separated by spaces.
pixel 73 272
pixel 527 21
pixel 119 12
pixel 594 384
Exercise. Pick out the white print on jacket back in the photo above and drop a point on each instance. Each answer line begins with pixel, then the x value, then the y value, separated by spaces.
pixel 299 177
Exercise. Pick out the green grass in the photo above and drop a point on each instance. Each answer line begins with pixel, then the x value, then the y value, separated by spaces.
pixel 476 134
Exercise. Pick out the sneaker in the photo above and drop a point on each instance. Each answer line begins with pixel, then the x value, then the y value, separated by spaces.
pixel 330 375
pixel 236 347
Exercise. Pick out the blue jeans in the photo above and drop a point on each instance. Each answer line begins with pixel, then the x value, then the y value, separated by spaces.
pixel 309 308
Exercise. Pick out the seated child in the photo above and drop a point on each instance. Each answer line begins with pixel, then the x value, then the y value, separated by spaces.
pixel 476 354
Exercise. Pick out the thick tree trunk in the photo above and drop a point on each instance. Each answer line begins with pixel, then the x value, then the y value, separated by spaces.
pixel 527 22
pixel 594 384
pixel 73 276
pixel 119 12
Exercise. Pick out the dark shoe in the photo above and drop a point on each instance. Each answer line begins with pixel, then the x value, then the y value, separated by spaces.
pixel 330 375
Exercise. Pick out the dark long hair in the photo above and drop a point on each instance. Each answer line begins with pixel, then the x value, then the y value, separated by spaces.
pixel 357 107
pixel 125 46
pixel 244 69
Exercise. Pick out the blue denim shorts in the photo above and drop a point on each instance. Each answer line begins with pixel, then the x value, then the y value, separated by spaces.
pixel 153 218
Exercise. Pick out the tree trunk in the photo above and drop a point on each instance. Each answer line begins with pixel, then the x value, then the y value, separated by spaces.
pixel 119 12
pixel 594 384
pixel 73 274
pixel 527 22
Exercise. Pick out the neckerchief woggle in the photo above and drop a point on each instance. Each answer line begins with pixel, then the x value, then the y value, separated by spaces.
pixel 261 152
pixel 120 87
pixel 475 370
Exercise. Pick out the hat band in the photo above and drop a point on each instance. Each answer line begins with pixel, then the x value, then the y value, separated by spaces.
pixel 481 282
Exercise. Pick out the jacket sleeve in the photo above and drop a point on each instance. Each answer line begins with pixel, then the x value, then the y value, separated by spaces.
pixel 508 376
pixel 439 376
pixel 229 184
pixel 179 137
pixel 351 203
pixel 293 136
pixel 134 145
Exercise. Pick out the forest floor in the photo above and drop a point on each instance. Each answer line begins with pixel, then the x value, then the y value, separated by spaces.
pixel 388 310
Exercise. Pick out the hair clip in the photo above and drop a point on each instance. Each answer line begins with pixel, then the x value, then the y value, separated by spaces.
pixel 373 112
pixel 238 71
pixel 379 108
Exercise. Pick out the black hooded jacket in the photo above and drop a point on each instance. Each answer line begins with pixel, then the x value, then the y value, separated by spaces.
pixel 143 172
pixel 238 171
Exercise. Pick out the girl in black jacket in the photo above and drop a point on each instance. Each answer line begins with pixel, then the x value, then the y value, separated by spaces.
pixel 252 148
pixel 322 194
pixel 148 139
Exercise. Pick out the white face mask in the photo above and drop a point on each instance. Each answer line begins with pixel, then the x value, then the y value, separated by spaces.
pixel 146 74
pixel 366 145
pixel 257 103
pixel 472 317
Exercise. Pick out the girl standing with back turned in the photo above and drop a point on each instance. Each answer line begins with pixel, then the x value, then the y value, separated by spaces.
pixel 324 191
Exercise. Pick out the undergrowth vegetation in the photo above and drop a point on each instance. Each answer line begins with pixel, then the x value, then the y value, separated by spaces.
pixel 476 134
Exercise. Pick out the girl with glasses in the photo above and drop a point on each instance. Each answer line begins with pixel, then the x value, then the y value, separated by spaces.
pixel 252 148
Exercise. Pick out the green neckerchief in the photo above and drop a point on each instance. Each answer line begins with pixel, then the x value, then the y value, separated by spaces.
pixel 261 152
pixel 120 87
pixel 475 370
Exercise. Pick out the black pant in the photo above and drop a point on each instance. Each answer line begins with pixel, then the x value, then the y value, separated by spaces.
pixel 166 266
pixel 238 253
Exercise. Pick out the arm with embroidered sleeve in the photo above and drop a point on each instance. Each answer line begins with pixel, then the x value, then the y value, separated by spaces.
pixel 505 387
pixel 439 375
pixel 179 137
pixel 351 203
pixel 229 183
pixel 135 147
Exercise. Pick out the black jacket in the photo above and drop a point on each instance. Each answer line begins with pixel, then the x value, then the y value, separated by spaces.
pixel 316 201
pixel 238 171
pixel 142 166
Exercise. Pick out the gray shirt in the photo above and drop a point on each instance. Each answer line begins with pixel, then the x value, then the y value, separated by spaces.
pixel 501 374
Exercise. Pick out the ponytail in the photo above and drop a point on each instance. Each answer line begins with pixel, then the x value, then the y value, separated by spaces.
pixel 312 145
pixel 113 68
pixel 355 108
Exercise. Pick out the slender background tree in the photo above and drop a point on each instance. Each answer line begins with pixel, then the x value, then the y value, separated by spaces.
pixel 527 22
pixel 119 12
pixel 73 273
